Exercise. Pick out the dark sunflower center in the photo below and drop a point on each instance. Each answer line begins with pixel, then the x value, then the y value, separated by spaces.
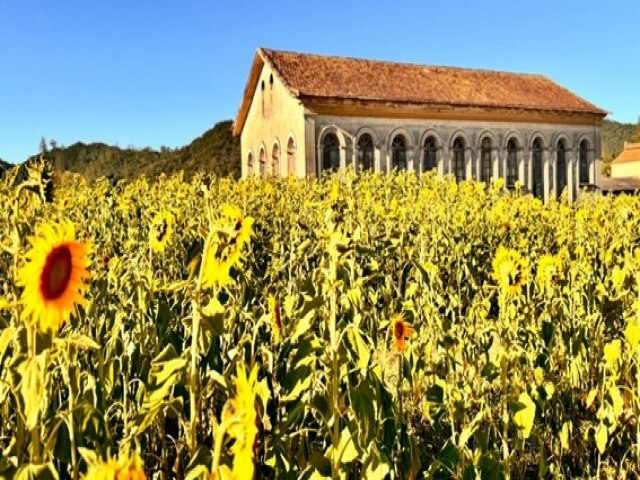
pixel 398 330
pixel 56 273
pixel 161 230
pixel 515 278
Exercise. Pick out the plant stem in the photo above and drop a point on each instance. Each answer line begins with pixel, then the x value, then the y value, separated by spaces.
pixel 195 334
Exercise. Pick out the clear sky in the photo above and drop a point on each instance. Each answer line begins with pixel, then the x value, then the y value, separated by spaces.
pixel 161 72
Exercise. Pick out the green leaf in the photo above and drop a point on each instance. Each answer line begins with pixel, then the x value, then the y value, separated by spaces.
pixel 32 371
pixel 360 348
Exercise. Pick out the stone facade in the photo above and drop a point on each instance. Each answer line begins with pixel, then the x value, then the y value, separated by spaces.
pixel 305 114
pixel 495 135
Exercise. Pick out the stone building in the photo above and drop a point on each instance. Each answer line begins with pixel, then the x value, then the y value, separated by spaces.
pixel 305 114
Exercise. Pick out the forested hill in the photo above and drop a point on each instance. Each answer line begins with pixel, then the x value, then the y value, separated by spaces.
pixel 4 166
pixel 614 134
pixel 216 151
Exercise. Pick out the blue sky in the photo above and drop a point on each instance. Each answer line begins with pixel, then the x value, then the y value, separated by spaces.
pixel 161 72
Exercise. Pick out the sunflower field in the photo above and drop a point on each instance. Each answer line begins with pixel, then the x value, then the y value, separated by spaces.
pixel 354 326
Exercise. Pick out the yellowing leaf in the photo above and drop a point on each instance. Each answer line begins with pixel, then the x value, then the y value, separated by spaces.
pixel 524 417
pixel 612 353
pixel 550 389
pixel 616 400
pixel 601 437
pixel 564 434
pixel 32 371
pixel 632 334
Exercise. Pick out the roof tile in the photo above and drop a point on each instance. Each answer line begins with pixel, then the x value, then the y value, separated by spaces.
pixel 350 78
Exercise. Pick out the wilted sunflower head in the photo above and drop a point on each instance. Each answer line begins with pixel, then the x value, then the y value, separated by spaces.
pixel 400 331
pixel 509 270
pixel 224 251
pixel 123 468
pixel 241 226
pixel 53 276
pixel 161 231
pixel 549 270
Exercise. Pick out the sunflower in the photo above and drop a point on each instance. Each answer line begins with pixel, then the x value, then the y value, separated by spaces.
pixel 232 233
pixel 276 318
pixel 509 270
pixel 161 232
pixel 549 270
pixel 401 332
pixel 242 227
pixel 240 416
pixel 53 276
pixel 124 468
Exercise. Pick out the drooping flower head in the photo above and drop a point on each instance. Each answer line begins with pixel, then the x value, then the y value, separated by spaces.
pixel 161 232
pixel 240 415
pixel 401 331
pixel 509 270
pixel 549 270
pixel 53 276
pixel 232 232
pixel 123 468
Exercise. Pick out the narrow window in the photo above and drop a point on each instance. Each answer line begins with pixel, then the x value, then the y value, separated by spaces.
pixel 561 167
pixel 250 164
pixel 330 152
pixel 538 171
pixel 399 153
pixel 458 159
pixel 430 155
pixel 365 152
pixel 584 162
pixel 275 160
pixel 291 156
pixel 512 163
pixel 485 160
pixel 263 164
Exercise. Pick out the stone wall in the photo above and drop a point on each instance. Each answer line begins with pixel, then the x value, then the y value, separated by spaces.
pixel 349 129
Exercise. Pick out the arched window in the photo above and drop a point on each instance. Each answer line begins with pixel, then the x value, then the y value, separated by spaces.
pixel 275 160
pixel 485 160
pixel 365 152
pixel 512 162
pixel 430 155
pixel 250 164
pixel 561 167
pixel 291 156
pixel 263 164
pixel 399 153
pixel 584 162
pixel 458 159
pixel 538 171
pixel 330 152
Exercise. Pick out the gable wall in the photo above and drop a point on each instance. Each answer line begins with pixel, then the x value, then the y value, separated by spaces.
pixel 274 117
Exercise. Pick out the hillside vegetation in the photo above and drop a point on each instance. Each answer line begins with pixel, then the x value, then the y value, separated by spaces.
pixel 215 152
pixel 614 134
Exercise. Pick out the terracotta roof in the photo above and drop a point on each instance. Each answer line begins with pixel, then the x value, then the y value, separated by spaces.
pixel 327 77
pixel 620 184
pixel 631 153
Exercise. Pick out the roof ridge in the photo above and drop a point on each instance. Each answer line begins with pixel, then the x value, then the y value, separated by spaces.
pixel 268 51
